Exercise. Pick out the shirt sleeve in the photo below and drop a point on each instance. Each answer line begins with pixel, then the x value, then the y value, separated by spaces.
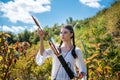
pixel 80 61
pixel 41 58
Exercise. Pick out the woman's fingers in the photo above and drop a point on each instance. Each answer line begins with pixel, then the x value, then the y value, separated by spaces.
pixel 81 75
pixel 40 32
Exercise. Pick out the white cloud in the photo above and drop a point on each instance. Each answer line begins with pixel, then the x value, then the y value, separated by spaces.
pixel 92 3
pixel 32 29
pixel 17 29
pixel 19 10
pixel 14 29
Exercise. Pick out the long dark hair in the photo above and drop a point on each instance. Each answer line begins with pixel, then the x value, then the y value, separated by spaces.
pixel 70 28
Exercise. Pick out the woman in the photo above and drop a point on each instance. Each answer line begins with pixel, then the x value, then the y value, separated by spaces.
pixel 67 48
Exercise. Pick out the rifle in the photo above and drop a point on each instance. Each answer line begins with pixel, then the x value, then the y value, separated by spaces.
pixel 62 60
pixel 36 22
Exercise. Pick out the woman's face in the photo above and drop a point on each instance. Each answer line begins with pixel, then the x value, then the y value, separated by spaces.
pixel 65 34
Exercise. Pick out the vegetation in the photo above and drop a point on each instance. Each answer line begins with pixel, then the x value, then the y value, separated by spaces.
pixel 98 37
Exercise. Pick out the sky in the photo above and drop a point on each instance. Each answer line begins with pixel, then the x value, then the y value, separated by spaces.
pixel 15 15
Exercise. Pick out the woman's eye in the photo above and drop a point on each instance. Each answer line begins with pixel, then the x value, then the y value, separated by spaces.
pixel 65 32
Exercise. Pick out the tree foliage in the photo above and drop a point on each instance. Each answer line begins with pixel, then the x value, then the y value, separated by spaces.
pixel 100 35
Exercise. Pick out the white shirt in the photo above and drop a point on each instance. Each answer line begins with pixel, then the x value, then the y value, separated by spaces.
pixel 58 71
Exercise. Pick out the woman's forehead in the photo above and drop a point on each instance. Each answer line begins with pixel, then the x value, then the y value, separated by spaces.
pixel 64 29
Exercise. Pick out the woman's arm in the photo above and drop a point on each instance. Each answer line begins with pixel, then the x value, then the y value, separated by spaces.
pixel 80 63
pixel 41 35
pixel 41 58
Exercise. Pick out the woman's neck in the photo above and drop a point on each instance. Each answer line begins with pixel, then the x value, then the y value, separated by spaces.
pixel 67 44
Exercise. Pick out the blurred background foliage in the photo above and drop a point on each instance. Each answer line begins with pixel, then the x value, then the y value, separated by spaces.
pixel 98 37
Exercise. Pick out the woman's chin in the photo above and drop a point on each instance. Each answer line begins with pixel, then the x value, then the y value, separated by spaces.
pixel 63 39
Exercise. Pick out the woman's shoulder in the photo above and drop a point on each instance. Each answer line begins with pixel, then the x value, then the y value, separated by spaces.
pixel 77 49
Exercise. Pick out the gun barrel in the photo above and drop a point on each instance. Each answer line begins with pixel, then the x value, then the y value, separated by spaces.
pixel 36 22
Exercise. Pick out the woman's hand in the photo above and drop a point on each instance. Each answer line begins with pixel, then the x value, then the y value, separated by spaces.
pixel 81 75
pixel 40 33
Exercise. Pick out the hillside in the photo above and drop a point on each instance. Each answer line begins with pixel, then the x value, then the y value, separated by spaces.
pixel 98 37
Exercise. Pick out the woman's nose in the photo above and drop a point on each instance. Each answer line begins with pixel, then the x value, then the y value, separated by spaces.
pixel 61 34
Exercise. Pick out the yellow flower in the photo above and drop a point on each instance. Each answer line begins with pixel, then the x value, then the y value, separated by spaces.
pixel 108 67
pixel 99 69
pixel 49 77
pixel 1 58
pixel 0 40
pixel 7 35
pixel 95 60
